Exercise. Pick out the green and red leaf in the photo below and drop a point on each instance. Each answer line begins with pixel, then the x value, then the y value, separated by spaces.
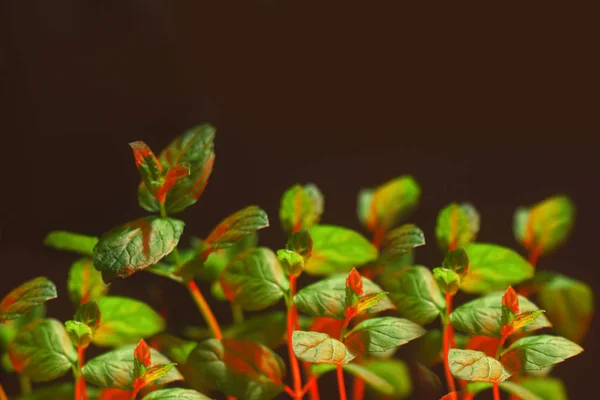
pixel 354 287
pixel 42 351
pixel 85 282
pixel 135 246
pixel 381 334
pixel 142 359
pixel 319 348
pixel 475 366
pixel 254 279
pixel 126 321
pixel 337 250
pixel 26 297
pixel 538 352
pixel 237 226
pixel 301 207
pixel 457 225
pixel 382 208
pixel 239 368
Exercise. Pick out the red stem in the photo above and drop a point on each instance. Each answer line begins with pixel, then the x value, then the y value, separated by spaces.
pixel 358 389
pixel 534 255
pixel 448 342
pixel 496 392
pixel 290 327
pixel 341 385
pixel 204 308
pixel 312 386
pixel 80 387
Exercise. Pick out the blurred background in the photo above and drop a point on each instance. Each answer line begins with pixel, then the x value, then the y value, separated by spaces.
pixel 496 107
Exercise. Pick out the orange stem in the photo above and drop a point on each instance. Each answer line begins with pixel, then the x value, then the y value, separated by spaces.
pixel 534 255
pixel 290 327
pixel 341 385
pixel 312 386
pixel 80 387
pixel 204 308
pixel 3 395
pixel 448 341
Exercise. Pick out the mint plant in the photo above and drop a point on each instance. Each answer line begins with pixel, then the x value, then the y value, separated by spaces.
pixel 369 313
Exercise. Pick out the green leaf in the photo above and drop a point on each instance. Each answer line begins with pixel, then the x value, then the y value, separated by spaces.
pixel 381 334
pixel 174 348
pixel 136 245
pixel 483 316
pixel 147 165
pixel 301 242
pixel 319 348
pixel 85 282
pixel 115 369
pixel 509 387
pixel 26 297
pixel 369 377
pixel 80 334
pixel 447 280
pixel 253 329
pixel 400 241
pixel 238 225
pixel 57 391
pixel 152 375
pixel 326 298
pixel 538 352
pixel 395 372
pixel 364 303
pixel 239 368
pixel 292 262
pixel 42 351
pixel 546 225
pixel 384 207
pixel 175 394
pixel 70 241
pixel 475 366
pixel 569 304
pixel 301 207
pixel 428 348
pixel 337 250
pixel 546 388
pixel 457 225
pixel 195 148
pixel 254 279
pixel 493 268
pixel 89 314
pixel 125 321
pixel 416 295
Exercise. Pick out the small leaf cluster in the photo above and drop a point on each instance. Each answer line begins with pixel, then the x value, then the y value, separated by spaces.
pixel 336 299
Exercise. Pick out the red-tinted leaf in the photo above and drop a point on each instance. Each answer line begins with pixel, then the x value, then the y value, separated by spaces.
pixel 147 164
pixel 510 300
pixel 142 359
pixel 174 174
pixel 26 297
pixel 354 282
pixel 485 344
pixel 115 394
pixel 330 326
pixel 237 226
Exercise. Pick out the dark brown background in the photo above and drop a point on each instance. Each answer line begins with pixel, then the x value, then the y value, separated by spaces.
pixel 492 106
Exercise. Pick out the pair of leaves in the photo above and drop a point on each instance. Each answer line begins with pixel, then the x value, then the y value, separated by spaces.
pixel 125 321
pixel 115 369
pixel 239 368
pixel 144 373
pixel 371 335
pixel 254 279
pixel 483 316
pixel 454 268
pixel 546 225
pixel 525 354
pixel 186 165
pixel 301 207
pixel 327 298
pixel 136 245
pixel 337 250
pixel 26 297
pixel 42 350
pixel 457 225
pixel 380 209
